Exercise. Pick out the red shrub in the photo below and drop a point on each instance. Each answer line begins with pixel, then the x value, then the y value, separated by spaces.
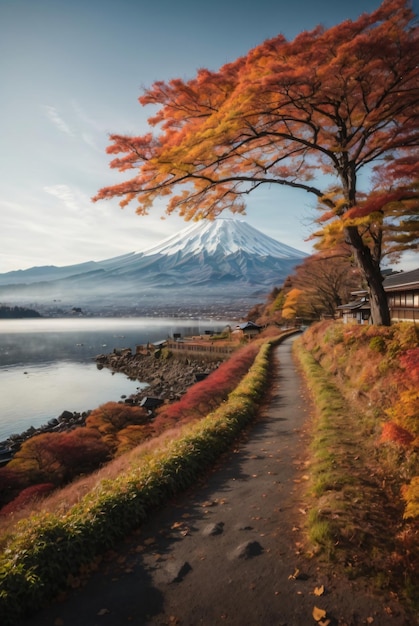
pixel 80 451
pixel 59 456
pixel 28 495
pixel 111 417
pixel 206 395
pixel 396 434
pixel 409 361
pixel 11 482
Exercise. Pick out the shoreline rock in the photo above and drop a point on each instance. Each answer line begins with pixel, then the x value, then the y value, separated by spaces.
pixel 66 421
pixel 166 378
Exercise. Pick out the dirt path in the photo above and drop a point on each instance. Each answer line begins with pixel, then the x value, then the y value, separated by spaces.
pixel 227 553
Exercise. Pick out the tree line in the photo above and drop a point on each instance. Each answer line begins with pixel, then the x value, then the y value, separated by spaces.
pixel 17 312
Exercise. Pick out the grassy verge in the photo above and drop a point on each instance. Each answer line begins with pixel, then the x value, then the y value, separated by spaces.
pixel 48 549
pixel 355 518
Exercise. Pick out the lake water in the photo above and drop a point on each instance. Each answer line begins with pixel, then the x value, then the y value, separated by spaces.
pixel 47 365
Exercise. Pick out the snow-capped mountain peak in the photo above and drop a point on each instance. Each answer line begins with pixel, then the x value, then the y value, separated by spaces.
pixel 223 235
pixel 224 260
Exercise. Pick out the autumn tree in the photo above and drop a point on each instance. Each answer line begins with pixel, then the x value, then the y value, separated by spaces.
pixel 132 436
pixel 326 283
pixel 112 417
pixel 290 309
pixel 59 457
pixel 312 114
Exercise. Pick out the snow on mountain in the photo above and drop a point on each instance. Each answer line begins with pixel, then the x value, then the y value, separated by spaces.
pixel 222 259
pixel 226 235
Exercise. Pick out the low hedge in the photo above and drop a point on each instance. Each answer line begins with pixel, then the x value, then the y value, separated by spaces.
pixel 48 549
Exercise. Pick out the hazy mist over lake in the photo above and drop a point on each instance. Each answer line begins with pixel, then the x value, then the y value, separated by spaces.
pixel 47 365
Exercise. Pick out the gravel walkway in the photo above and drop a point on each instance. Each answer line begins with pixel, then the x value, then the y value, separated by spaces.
pixel 229 552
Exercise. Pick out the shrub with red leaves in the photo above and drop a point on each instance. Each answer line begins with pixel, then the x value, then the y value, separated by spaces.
pixel 26 496
pixel 205 396
pixel 396 434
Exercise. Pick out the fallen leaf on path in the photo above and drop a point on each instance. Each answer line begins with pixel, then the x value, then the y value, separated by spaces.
pixel 318 614
pixel 103 612
pixel 319 591
pixel 148 542
pixel 176 525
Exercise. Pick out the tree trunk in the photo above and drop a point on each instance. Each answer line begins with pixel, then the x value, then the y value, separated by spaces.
pixel 371 272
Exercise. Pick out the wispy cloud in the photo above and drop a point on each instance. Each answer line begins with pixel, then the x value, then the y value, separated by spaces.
pixel 65 194
pixel 90 141
pixel 87 119
pixel 57 120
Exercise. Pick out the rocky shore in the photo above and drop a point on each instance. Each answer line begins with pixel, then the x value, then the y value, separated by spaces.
pixel 167 378
pixel 66 421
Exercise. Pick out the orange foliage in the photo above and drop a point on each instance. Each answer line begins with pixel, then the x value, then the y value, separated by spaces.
pixel 331 101
pixel 59 456
pixel 410 494
pixel 380 362
pixel 405 409
pixel 396 434
pixel 111 417
pixel 409 361
pixel 132 436
pixel 290 308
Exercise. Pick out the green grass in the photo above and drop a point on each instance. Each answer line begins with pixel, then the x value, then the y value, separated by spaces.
pixel 48 548
pixel 353 519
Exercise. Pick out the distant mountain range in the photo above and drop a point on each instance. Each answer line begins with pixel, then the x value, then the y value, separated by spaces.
pixel 220 260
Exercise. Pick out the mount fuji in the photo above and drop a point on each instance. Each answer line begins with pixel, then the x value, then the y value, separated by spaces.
pixel 221 260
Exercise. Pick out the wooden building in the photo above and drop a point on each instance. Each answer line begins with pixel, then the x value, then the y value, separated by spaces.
pixel 403 296
pixel 402 289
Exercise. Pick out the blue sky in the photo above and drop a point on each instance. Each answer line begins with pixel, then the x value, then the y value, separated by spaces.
pixel 71 73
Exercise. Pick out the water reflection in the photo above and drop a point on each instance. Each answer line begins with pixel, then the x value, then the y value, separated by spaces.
pixel 33 396
pixel 39 340
pixel 47 365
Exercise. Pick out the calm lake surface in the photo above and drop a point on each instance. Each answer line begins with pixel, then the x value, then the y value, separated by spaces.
pixel 47 365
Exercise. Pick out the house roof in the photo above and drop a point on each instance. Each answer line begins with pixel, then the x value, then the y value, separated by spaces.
pixel 401 280
pixel 150 403
pixel 159 344
pixel 249 326
pixel 356 305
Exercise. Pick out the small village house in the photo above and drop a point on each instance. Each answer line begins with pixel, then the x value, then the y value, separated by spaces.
pixel 246 329
pixel 402 289
pixel 403 296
